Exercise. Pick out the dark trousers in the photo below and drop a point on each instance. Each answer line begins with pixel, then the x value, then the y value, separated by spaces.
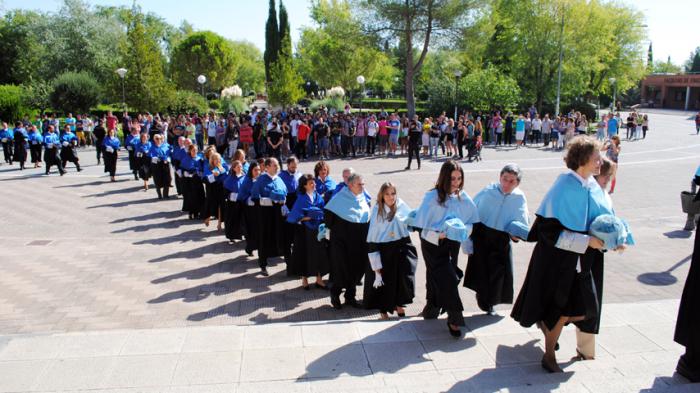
pixel 508 137
pixel 460 147
pixel 371 144
pixel 442 280
pixel 98 150
pixel 346 145
pixel 499 139
pixel 76 162
pixel 7 151
pixel 300 149
pixel 413 150
pixel 349 292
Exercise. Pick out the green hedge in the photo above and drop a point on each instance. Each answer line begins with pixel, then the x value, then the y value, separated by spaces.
pixel 11 103
pixel 75 92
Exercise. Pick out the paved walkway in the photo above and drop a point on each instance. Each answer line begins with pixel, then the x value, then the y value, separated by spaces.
pixel 635 353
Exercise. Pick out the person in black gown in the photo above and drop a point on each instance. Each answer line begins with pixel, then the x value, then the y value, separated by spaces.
pixel 347 219
pixel 688 323
pixel 309 256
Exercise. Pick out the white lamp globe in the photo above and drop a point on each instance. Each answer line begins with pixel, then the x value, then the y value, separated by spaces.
pixel 121 72
pixel 361 80
pixel 202 79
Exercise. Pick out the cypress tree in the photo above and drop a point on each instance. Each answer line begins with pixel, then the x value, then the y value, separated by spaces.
pixel 285 40
pixel 650 59
pixel 272 40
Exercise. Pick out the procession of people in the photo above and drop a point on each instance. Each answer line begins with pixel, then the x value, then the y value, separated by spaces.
pixel 345 237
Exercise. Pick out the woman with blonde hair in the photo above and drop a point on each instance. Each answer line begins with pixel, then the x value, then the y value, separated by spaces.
pixel 214 175
pixel 390 279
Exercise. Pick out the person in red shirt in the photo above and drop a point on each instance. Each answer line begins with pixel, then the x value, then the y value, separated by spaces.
pixel 245 134
pixel 383 135
pixel 111 121
pixel 303 131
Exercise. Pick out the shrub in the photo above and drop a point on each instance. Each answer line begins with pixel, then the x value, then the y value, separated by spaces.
pixel 234 104
pixel 214 105
pixel 329 102
pixel 11 103
pixel 188 102
pixel 75 92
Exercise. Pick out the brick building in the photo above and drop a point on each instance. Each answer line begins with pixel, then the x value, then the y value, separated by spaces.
pixel 679 91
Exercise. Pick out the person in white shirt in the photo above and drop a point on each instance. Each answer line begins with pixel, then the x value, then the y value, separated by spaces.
pixel 536 129
pixel 211 129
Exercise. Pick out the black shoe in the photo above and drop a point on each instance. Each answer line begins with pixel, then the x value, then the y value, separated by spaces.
pixel 408 168
pixel 454 333
pixel 306 287
pixel 323 287
pixel 335 302
pixel 353 303
pixel 263 271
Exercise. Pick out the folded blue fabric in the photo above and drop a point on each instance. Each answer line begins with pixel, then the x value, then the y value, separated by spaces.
pixel 612 230
pixel 455 229
pixel 321 232
pixel 314 213
pixel 410 219
pixel 278 195
pixel 518 229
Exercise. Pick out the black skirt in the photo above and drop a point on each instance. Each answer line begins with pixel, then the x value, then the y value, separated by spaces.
pixel 553 288
pixel 251 221
pixel 110 161
pixel 399 260
pixel 214 199
pixel 35 151
pixel 234 221
pixel 310 257
pixel 51 156
pixel 161 174
pixel 20 154
pixel 688 323
pixel 193 200
pixel 69 154
pixel 490 269
pixel 348 251
pixel 143 164
pixel 442 275
pixel 271 236
pixel 133 165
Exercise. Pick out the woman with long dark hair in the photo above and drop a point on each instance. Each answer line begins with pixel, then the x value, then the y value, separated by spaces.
pixel 233 213
pixel 445 218
pixel 390 277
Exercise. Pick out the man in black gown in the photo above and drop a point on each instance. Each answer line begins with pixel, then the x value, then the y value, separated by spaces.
pixel 688 323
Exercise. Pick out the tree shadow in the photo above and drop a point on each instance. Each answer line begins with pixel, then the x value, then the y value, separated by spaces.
pixel 663 278
pixel 675 383
pixel 523 375
pixel 150 216
pixel 679 234
pixel 150 199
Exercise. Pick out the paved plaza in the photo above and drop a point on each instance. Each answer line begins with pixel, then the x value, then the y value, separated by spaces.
pixel 104 287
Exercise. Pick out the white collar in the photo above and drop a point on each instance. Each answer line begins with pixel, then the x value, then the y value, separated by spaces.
pixel 271 177
pixel 586 183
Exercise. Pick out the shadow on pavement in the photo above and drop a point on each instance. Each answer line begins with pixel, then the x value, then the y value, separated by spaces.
pixel 662 278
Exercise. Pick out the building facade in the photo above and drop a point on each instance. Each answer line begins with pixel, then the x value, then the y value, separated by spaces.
pixel 679 91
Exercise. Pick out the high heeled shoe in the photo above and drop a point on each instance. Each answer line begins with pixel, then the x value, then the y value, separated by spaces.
pixel 454 333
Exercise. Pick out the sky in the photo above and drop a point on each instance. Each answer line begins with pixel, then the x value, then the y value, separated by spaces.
pixel 671 23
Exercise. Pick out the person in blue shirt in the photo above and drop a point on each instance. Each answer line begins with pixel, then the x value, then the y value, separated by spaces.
pixel 192 188
pixel 52 146
pixel 445 218
pixel 179 153
pixel 503 217
pixel 347 221
pixel 309 256
pixel 290 176
pixel 249 213
pixel 269 194
pixel 6 137
pixel 390 276
pixel 558 287
pixel 70 122
pixel 142 157
pixel 69 143
pixel 613 125
pixel 130 141
pixel 233 213
pixel 214 175
pixel 20 138
pixel 160 166
pixel 36 140
pixel 324 183
pixel 110 149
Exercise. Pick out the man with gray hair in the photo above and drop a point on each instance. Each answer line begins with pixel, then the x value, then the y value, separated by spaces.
pixel 504 217
pixel 347 221
pixel 347 173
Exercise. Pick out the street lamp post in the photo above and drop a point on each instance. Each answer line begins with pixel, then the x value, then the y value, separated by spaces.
pixel 361 81
pixel 612 105
pixel 458 74
pixel 122 73
pixel 202 80
pixel 561 54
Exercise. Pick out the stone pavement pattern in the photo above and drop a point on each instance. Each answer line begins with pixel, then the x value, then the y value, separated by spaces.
pixel 634 354
pixel 80 254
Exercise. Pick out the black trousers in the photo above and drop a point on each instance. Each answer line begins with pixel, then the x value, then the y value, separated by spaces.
pixel 371 144
pixel 300 149
pixel 508 137
pixel 350 292
pixel 7 151
pixel 98 150
pixel 413 150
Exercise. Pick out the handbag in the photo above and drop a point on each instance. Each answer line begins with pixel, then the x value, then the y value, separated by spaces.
pixel 689 204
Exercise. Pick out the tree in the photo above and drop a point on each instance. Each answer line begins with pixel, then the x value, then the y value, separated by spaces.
pixel 38 95
pixel 11 104
pixel 146 86
pixel 337 51
pixel 271 40
pixel 693 64
pixel 650 58
pixel 20 47
pixel 486 89
pixel 666 67
pixel 285 86
pixel 251 69
pixel 416 21
pixel 204 53
pixel 75 92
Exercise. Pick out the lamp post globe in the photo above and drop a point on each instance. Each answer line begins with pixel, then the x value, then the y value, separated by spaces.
pixel 122 73
pixel 202 80
pixel 458 74
pixel 361 81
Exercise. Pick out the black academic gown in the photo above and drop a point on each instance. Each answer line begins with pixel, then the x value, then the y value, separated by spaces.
pixel 271 231
pixel 214 199
pixel 143 164
pixel 193 197
pixel 20 154
pixel 234 220
pixel 348 251
pixel 252 223
pixel 688 322
pixel 490 268
pixel 310 257
pixel 399 261
pixel 110 161
pixel 553 288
